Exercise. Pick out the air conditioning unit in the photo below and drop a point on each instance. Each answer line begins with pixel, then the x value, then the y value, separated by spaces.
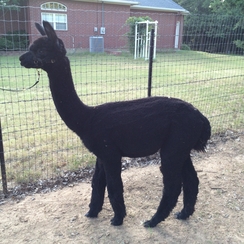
pixel 96 44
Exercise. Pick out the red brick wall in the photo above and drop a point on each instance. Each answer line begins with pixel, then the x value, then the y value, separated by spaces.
pixel 115 17
pixel 166 26
pixel 82 17
pixel 12 20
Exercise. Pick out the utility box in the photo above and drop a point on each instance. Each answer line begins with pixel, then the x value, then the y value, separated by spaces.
pixel 102 30
pixel 96 44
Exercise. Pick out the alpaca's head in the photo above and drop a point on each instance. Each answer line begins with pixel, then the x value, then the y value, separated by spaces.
pixel 45 51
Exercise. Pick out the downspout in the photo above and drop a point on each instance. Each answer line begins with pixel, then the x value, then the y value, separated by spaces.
pixel 103 14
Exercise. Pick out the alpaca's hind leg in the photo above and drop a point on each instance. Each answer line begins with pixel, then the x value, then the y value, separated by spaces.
pixel 98 190
pixel 115 191
pixel 171 169
pixel 190 189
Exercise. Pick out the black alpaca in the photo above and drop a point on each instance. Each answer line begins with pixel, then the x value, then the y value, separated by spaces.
pixel 131 128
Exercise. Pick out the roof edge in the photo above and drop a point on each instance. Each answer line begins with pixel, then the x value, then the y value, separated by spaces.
pixel 122 2
pixel 135 5
pixel 183 11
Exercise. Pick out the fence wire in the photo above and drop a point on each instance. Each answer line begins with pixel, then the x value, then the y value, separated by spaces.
pixel 201 64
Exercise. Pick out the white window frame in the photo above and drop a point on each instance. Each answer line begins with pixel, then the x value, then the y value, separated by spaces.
pixel 51 11
pixel 47 7
pixel 54 22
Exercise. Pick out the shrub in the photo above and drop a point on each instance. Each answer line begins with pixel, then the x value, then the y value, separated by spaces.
pixel 185 47
pixel 131 21
pixel 14 41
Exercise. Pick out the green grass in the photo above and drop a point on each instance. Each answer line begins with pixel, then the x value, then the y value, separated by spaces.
pixel 37 143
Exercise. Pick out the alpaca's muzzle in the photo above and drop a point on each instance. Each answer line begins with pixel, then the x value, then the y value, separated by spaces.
pixel 29 61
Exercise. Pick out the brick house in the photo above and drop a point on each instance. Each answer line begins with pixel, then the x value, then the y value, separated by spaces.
pixel 76 20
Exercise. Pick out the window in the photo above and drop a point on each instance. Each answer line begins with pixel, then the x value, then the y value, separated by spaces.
pixel 54 7
pixel 52 14
pixel 58 21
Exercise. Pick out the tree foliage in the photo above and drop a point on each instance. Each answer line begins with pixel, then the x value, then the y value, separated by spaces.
pixel 14 41
pixel 195 6
pixel 230 7
pixel 9 4
pixel 226 7
pixel 214 25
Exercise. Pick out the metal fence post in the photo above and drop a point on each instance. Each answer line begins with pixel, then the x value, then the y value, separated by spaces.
pixel 151 52
pixel 2 161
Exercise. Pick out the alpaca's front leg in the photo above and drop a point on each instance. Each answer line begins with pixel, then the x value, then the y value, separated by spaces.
pixel 98 190
pixel 115 191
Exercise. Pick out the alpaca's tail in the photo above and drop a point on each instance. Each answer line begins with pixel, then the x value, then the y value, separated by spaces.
pixel 205 136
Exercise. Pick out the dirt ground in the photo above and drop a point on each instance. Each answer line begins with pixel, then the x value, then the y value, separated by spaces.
pixel 58 216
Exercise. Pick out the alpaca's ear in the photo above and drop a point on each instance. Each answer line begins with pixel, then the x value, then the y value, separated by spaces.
pixel 51 34
pixel 40 29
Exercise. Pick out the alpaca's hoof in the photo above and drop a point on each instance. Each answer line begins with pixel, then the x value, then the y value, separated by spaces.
pixel 116 221
pixel 181 215
pixel 90 214
pixel 149 224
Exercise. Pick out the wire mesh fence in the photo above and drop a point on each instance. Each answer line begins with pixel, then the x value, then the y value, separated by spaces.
pixel 196 61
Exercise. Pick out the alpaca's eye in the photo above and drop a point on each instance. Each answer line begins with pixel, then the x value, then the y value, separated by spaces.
pixel 42 52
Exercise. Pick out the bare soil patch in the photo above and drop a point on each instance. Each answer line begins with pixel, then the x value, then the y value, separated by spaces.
pixel 58 216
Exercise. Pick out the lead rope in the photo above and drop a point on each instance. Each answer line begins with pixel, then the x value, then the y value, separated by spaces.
pixel 25 89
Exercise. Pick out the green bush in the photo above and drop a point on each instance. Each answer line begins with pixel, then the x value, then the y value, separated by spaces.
pixel 14 41
pixel 131 21
pixel 185 47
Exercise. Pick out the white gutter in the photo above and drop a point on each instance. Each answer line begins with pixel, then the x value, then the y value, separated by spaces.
pixel 160 9
pixel 121 2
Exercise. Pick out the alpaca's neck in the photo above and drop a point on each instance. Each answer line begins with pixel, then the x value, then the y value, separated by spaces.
pixel 71 109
